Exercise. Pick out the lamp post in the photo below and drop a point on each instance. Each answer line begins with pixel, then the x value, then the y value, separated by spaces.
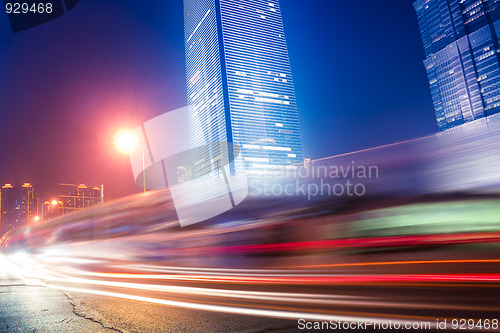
pixel 126 141
pixel 143 168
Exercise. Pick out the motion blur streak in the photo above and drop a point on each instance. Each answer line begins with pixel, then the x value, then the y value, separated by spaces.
pixel 421 244
pixel 414 262
pixel 25 268
pixel 20 271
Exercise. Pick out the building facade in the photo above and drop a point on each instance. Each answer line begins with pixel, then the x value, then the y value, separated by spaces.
pixel 52 209
pixel 18 207
pixel 239 83
pixel 73 198
pixel 461 44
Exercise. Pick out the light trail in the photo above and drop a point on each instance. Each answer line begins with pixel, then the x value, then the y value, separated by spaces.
pixel 312 278
pixel 56 279
pixel 152 284
pixel 275 312
pixel 409 262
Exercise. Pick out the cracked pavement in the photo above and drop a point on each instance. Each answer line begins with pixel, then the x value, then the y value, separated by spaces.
pixel 31 308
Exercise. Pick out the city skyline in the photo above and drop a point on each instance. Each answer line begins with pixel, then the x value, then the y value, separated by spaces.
pixel 21 205
pixel 268 165
pixel 109 78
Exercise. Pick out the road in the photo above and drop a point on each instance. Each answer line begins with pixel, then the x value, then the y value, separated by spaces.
pixel 27 305
pixel 137 297
pixel 32 308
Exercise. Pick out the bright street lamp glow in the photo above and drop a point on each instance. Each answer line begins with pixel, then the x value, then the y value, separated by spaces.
pixel 125 141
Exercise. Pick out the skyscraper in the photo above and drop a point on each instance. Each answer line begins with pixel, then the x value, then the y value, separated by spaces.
pixel 239 83
pixel 18 207
pixel 461 43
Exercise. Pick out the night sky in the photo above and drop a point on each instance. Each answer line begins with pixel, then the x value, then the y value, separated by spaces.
pixel 68 85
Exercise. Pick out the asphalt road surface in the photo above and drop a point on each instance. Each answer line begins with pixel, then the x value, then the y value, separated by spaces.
pixel 85 296
pixel 29 307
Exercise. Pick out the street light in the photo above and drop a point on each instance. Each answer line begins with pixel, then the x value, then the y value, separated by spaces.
pixel 126 141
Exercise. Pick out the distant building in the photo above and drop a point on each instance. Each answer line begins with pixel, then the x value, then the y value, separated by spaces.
pixel 78 197
pixel 461 44
pixel 52 209
pixel 18 207
pixel 240 86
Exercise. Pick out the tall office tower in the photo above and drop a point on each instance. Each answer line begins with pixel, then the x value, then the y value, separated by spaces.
pixel 18 207
pixel 461 43
pixel 239 82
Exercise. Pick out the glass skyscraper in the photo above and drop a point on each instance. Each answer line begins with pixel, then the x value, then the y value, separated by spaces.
pixel 461 43
pixel 239 83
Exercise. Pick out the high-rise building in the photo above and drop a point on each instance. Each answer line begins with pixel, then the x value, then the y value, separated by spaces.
pixel 239 83
pixel 52 209
pixel 18 207
pixel 461 43
pixel 73 198
pixel 77 197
